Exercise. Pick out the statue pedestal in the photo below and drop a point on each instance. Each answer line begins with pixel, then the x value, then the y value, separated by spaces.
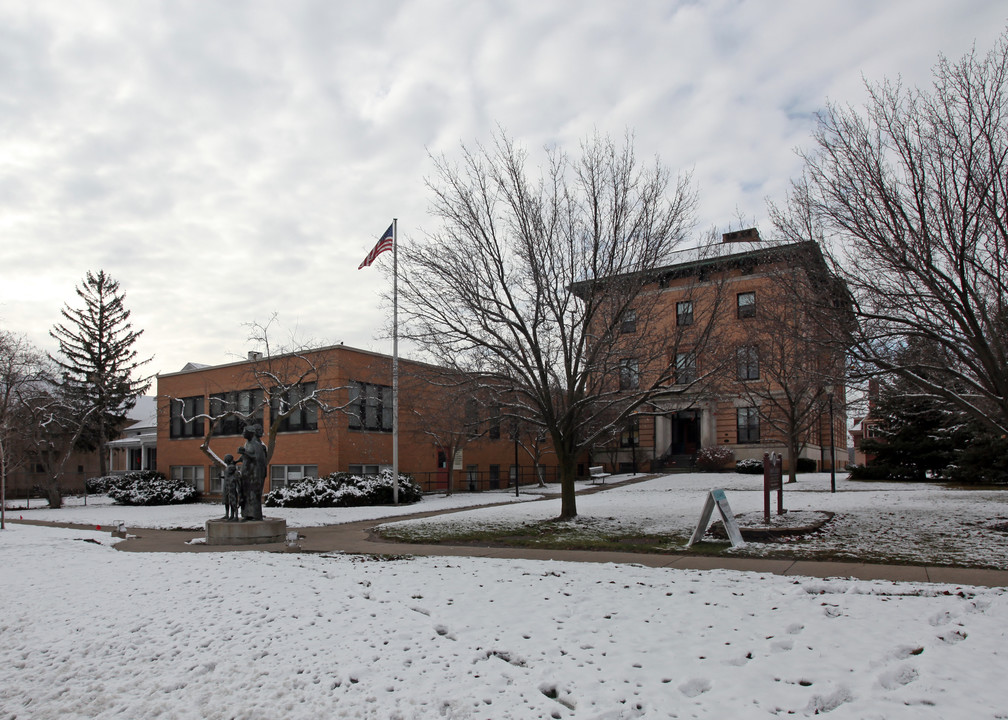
pixel 246 532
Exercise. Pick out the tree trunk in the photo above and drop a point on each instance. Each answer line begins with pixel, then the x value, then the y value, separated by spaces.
pixel 568 473
pixel 53 494
pixel 792 460
pixel 102 449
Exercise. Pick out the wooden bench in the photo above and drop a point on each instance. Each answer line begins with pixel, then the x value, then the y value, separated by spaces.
pixel 596 473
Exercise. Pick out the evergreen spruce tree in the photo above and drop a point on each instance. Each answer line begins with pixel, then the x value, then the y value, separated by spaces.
pixel 918 435
pixel 98 361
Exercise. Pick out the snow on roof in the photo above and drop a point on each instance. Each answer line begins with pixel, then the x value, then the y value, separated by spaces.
pixel 726 251
pixel 144 413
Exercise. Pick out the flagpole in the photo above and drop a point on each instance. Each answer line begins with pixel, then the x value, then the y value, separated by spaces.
pixel 395 361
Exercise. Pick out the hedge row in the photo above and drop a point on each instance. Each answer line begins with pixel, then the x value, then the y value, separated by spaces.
pixel 143 487
pixel 343 490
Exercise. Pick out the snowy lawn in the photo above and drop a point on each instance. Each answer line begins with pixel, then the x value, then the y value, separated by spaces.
pixel 93 633
pixel 100 510
pixel 874 522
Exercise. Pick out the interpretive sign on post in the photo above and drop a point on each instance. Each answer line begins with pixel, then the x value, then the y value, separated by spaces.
pixel 772 480
pixel 716 499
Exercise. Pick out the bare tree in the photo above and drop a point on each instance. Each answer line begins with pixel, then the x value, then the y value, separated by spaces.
pixel 528 283
pixel 285 381
pixel 914 190
pixel 41 421
pixel 21 367
pixel 449 414
pixel 55 421
pixel 532 439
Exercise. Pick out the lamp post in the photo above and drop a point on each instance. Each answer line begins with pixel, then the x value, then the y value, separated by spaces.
pixel 517 469
pixel 832 448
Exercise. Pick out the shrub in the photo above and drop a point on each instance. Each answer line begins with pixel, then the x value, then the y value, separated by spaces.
pixel 712 459
pixel 343 490
pixel 868 472
pixel 805 465
pixel 98 485
pixel 749 466
pixel 984 460
pixel 146 487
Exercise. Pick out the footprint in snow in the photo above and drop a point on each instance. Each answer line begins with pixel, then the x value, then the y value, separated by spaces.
pixel 952 637
pixel 942 618
pixel 694 687
pixel 443 632
pixel 825 703
pixel 897 678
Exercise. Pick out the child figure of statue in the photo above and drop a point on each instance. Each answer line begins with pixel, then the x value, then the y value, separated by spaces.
pixel 231 488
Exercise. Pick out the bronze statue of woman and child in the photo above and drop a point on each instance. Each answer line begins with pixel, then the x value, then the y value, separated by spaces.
pixel 243 487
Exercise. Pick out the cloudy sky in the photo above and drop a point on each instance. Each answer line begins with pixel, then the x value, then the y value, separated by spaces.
pixel 228 160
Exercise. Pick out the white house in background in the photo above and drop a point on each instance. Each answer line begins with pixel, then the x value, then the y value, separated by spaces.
pixel 136 447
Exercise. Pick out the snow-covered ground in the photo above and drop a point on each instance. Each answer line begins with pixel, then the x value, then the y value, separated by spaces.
pixel 100 510
pixel 89 632
pixel 892 522
pixel 882 522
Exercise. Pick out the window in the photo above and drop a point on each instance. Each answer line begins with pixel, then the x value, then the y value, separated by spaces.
pixel 283 475
pixel 746 304
pixel 367 470
pixel 184 422
pixel 748 362
pixel 216 481
pixel 748 424
pixel 685 368
pixel 244 403
pixel 630 435
pixel 191 474
pixel 305 413
pixel 494 431
pixel 471 419
pixel 370 407
pixel 684 312
pixel 629 374
pixel 628 322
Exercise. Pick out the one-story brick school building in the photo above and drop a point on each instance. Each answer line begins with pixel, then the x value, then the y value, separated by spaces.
pixel 354 436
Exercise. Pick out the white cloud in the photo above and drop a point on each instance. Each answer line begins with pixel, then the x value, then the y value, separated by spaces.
pixel 225 161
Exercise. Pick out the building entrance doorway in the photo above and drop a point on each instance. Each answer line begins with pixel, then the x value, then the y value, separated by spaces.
pixel 685 426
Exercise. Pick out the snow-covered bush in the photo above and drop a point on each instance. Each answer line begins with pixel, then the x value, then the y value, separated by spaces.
pixel 99 485
pixel 749 466
pixel 146 487
pixel 713 459
pixel 343 490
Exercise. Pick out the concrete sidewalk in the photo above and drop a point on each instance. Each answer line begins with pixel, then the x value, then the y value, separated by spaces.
pixel 357 538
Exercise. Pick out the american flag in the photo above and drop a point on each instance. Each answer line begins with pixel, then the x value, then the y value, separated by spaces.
pixel 384 244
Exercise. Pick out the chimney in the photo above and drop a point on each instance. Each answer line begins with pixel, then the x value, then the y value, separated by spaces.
pixel 253 356
pixel 747 235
